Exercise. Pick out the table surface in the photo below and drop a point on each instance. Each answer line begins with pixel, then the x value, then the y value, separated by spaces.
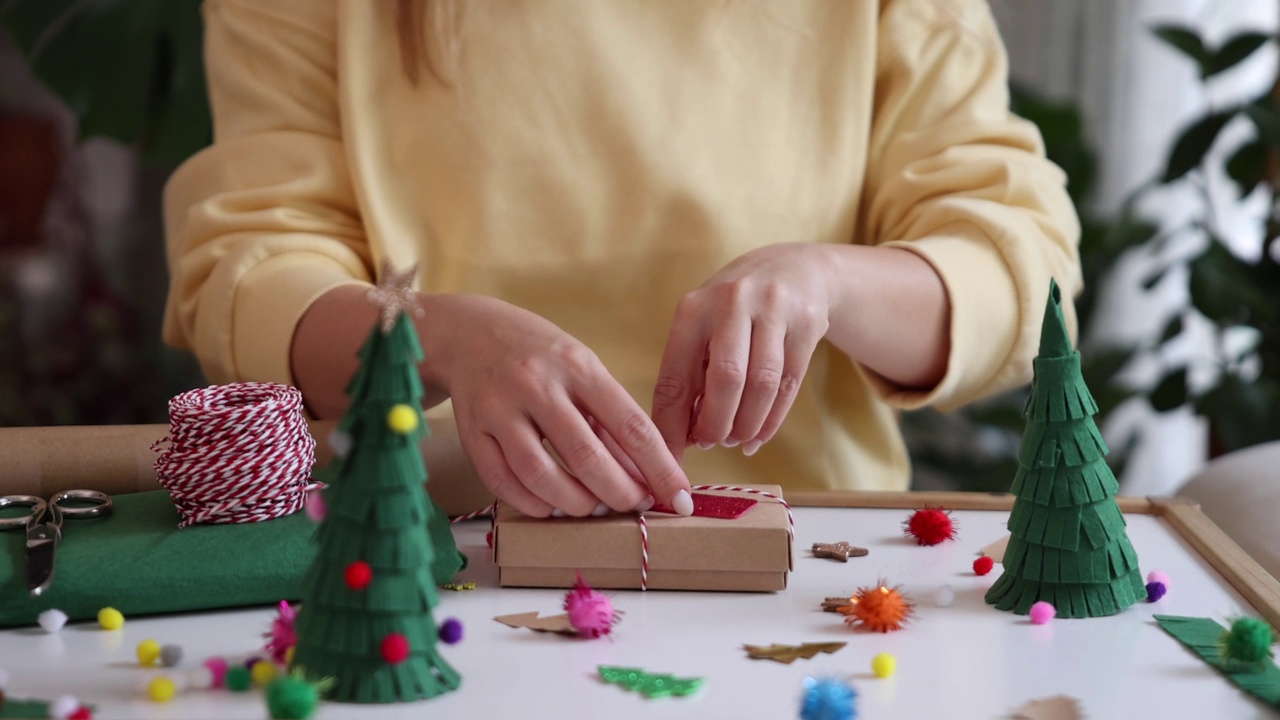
pixel 966 661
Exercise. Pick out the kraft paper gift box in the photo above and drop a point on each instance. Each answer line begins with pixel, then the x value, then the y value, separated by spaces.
pixel 749 553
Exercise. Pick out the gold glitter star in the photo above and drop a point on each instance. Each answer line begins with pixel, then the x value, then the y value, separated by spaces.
pixel 394 294
pixel 841 551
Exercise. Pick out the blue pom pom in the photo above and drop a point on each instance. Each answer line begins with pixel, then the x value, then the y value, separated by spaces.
pixel 1155 591
pixel 827 699
pixel 451 631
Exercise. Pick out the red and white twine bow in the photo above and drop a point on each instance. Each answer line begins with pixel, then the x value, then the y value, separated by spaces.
pixel 492 513
pixel 236 453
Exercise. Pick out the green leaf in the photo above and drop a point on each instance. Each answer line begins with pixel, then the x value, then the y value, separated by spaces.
pixel 1195 141
pixel 1242 414
pixel 1171 392
pixel 1224 289
pixel 1247 165
pixel 1186 40
pixel 1172 329
pixel 184 125
pixel 1266 118
pixel 1233 52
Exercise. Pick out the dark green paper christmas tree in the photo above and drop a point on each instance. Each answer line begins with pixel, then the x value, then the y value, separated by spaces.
pixel 1068 545
pixel 366 620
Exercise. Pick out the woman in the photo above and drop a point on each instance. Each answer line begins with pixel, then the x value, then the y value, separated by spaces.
pixel 779 221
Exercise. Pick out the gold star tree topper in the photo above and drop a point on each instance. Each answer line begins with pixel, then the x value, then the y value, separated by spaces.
pixel 394 294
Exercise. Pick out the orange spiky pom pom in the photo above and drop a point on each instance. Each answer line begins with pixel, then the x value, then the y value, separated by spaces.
pixel 879 609
pixel 930 526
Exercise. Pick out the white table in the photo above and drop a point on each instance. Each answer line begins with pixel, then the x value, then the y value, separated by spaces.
pixel 963 661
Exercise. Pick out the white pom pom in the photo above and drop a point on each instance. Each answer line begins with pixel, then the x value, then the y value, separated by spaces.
pixel 340 442
pixel 62 708
pixel 945 596
pixel 52 620
pixel 4 678
pixel 200 678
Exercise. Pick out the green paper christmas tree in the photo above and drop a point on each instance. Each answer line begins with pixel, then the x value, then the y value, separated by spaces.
pixel 366 623
pixel 650 685
pixel 1068 545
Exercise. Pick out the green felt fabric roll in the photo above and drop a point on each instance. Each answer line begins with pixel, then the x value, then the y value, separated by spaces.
pixel 138 561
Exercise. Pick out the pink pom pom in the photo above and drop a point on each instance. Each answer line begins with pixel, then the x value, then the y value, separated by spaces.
pixel 217 669
pixel 282 635
pixel 591 613
pixel 1158 576
pixel 315 506
pixel 1042 612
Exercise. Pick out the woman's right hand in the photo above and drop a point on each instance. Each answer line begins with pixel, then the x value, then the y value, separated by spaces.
pixel 515 379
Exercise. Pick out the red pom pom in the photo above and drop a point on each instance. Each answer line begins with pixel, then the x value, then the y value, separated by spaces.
pixel 983 565
pixel 395 648
pixel 930 526
pixel 81 713
pixel 358 575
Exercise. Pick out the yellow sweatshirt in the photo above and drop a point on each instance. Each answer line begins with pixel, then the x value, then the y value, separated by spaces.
pixel 594 160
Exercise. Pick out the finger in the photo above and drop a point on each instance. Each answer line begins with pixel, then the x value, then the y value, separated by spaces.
pixel 618 453
pixel 486 455
pixel 679 381
pixel 538 472
pixel 587 458
pixel 638 437
pixel 726 376
pixel 764 373
pixel 797 350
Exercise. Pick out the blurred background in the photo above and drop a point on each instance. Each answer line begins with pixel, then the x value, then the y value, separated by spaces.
pixel 1164 113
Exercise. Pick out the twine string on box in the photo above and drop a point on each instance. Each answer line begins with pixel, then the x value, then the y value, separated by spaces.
pixel 236 453
pixel 492 513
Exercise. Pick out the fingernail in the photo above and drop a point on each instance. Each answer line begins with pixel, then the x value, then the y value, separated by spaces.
pixel 559 513
pixel 751 447
pixel 682 503
pixel 645 504
pixel 731 443
pixel 601 510
pixel 706 445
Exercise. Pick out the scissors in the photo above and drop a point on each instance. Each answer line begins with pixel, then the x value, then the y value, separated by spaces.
pixel 44 527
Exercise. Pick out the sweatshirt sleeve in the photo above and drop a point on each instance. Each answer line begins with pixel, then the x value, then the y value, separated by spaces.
pixel 954 177
pixel 264 221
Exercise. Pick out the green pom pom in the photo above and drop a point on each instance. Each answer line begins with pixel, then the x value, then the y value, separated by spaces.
pixel 238 679
pixel 1248 641
pixel 292 698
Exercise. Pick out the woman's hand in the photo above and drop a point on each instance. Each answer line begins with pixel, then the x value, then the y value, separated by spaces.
pixel 515 379
pixel 739 347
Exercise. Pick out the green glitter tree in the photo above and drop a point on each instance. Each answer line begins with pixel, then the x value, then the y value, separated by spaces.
pixel 365 623
pixel 1068 546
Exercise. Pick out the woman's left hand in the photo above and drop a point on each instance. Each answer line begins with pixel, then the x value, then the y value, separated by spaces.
pixel 739 347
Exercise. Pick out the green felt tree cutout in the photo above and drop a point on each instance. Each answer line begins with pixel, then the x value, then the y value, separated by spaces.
pixel 1205 638
pixel 1068 545
pixel 650 685
pixel 366 616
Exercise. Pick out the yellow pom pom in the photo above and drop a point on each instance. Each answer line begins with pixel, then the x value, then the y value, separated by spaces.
pixel 148 653
pixel 110 619
pixel 883 665
pixel 403 419
pixel 161 689
pixel 263 673
pixel 288 656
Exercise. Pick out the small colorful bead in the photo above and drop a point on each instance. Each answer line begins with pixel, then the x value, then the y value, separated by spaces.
pixel 161 689
pixel 110 618
pixel 1042 612
pixel 884 665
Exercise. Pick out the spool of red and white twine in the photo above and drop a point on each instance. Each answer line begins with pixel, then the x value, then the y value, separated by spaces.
pixel 236 453
pixel 492 513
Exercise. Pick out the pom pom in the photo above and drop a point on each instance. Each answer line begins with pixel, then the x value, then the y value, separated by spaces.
pixel 1160 577
pixel 930 526
pixel 827 699
pixel 81 713
pixel 395 648
pixel 879 609
pixel 200 678
pixel 288 656
pixel 1248 641
pixel 358 575
pixel 590 612
pixel 161 689
pixel 282 637
pixel 170 655
pixel 110 618
pixel 217 671
pixel 340 442
pixel 263 673
pixel 61 708
pixel 1155 591
pixel 884 665
pixel 254 660
pixel 292 698
pixel 488 539
pixel 403 419
pixel 451 631
pixel 52 620
pixel 983 565
pixel 945 596
pixel 1042 612
pixel 238 679
pixel 148 652
pixel 315 506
